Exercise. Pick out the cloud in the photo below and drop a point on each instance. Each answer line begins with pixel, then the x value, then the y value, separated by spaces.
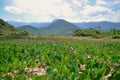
pixel 71 10
pixel 117 2
pixel 14 9
pixel 18 20
pixel 101 3
pixel 94 10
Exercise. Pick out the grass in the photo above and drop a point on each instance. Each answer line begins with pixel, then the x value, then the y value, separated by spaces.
pixel 62 58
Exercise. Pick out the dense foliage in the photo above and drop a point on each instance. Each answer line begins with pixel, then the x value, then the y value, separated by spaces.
pixel 62 59
pixel 114 33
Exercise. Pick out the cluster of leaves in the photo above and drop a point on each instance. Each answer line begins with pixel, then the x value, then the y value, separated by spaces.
pixel 97 33
pixel 81 60
pixel 86 32
pixel 116 33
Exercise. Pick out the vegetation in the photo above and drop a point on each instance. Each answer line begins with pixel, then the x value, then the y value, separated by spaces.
pixel 30 29
pixel 97 33
pixel 59 59
pixel 56 57
pixel 7 30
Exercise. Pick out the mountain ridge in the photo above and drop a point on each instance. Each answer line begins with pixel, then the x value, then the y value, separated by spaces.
pixel 104 25
pixel 59 27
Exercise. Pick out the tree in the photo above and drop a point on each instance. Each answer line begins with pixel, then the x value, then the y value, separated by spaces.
pixel 113 31
pixel 77 33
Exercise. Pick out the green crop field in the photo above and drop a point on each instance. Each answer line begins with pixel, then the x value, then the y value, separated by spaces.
pixel 59 59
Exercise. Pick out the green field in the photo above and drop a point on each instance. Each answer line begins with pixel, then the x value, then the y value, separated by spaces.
pixel 62 58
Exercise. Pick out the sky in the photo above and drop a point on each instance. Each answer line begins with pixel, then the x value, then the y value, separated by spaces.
pixel 70 10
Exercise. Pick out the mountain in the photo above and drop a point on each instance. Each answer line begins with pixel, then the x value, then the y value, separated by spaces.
pixel 58 27
pixel 16 23
pixel 30 29
pixel 35 24
pixel 103 25
pixel 39 24
pixel 7 30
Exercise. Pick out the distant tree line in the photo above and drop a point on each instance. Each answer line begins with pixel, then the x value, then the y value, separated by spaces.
pixel 114 33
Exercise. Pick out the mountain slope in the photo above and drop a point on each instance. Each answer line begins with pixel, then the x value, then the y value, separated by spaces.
pixel 30 29
pixel 7 30
pixel 35 24
pixel 39 24
pixel 104 25
pixel 60 27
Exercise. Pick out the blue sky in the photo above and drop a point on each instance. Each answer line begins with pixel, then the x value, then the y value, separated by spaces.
pixel 71 10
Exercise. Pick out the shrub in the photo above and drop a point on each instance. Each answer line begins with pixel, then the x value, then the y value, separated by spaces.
pixel 87 32
pixel 116 37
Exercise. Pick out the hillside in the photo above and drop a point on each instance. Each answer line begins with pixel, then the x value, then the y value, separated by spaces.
pixel 104 25
pixel 30 29
pixel 35 24
pixel 60 27
pixel 39 24
pixel 7 30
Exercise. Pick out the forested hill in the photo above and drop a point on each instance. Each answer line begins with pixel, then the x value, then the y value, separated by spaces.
pixel 7 30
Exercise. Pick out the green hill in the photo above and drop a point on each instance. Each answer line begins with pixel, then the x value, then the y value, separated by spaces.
pixel 7 30
pixel 60 27
pixel 57 27
pixel 30 29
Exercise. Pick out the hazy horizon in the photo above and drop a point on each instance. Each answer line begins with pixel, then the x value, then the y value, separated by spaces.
pixel 64 19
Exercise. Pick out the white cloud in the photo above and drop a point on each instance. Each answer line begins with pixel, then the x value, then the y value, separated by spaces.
pixel 101 3
pixel 72 10
pixel 18 20
pixel 79 2
pixel 117 2
pixel 100 13
pixel 94 10
pixel 14 9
